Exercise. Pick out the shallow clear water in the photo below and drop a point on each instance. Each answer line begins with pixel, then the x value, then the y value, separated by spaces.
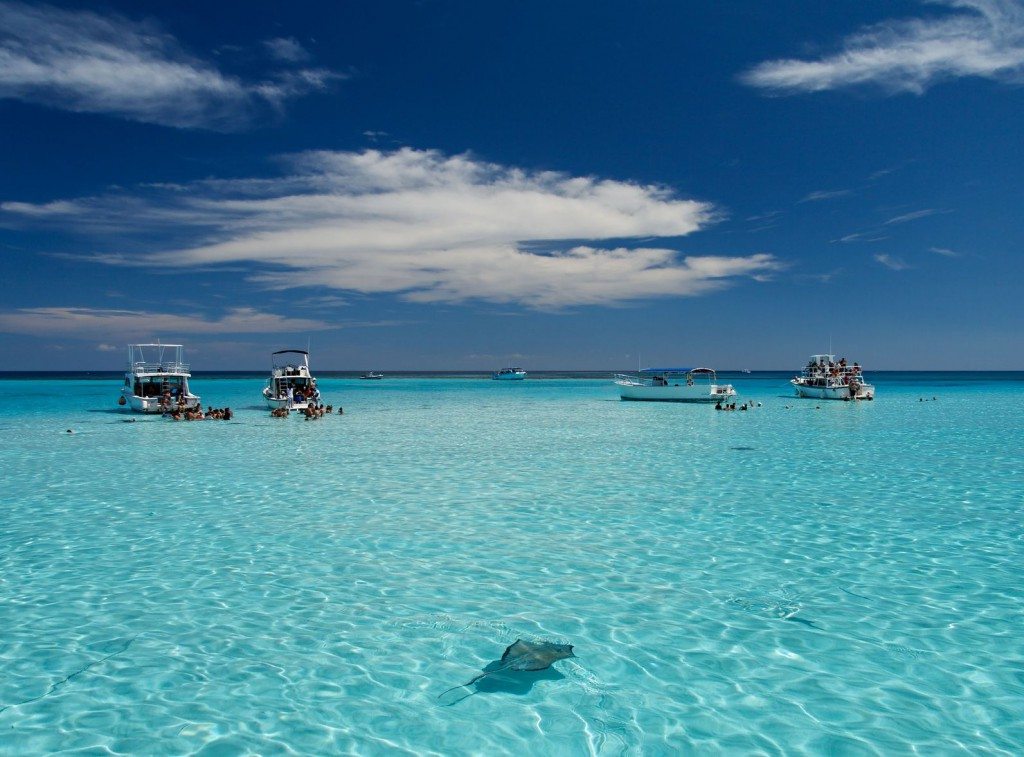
pixel 784 580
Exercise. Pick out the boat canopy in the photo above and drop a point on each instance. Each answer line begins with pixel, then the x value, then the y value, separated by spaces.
pixel 284 352
pixel 677 370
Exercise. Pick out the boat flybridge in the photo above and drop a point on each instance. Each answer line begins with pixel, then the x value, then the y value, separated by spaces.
pixel 157 379
pixel 509 374
pixel 290 384
pixel 673 385
pixel 825 378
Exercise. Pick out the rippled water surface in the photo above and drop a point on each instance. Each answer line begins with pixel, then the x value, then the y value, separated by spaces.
pixel 805 577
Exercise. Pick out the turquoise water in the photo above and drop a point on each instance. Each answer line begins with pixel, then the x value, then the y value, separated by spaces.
pixel 842 580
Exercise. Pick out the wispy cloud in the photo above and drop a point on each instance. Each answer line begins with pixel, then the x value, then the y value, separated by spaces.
pixel 431 227
pixel 983 38
pixel 103 63
pixel 861 236
pixel 826 194
pixel 912 216
pixel 944 251
pixel 287 49
pixel 894 263
pixel 821 278
pixel 764 216
pixel 127 324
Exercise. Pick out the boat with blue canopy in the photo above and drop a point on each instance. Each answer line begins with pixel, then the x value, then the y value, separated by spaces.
pixel 673 385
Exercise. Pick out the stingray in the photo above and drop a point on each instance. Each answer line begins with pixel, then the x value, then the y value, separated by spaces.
pixel 522 656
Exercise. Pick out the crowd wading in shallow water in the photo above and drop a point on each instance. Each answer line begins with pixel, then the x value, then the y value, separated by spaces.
pixel 197 414
pixel 732 406
pixel 310 412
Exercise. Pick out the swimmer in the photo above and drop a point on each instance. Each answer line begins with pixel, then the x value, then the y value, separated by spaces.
pixel 69 431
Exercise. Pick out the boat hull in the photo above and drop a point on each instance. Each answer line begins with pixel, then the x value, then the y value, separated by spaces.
pixel 508 376
pixel 680 393
pixel 275 403
pixel 153 406
pixel 864 392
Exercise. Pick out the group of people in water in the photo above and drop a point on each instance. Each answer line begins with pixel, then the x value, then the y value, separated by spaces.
pixel 311 412
pixel 730 406
pixel 196 414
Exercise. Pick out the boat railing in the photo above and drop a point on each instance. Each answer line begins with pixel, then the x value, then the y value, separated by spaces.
pixel 165 367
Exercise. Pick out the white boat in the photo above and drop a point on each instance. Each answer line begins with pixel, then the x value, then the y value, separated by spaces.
pixel 371 376
pixel 290 384
pixel 825 378
pixel 673 385
pixel 157 379
pixel 509 374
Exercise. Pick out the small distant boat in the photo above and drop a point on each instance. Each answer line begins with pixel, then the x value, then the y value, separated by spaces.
pixel 157 379
pixel 509 374
pixel 745 370
pixel 290 385
pixel 371 376
pixel 824 378
pixel 673 385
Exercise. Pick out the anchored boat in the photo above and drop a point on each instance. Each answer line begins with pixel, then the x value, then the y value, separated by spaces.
pixel 290 384
pixel 157 379
pixel 673 385
pixel 509 374
pixel 825 378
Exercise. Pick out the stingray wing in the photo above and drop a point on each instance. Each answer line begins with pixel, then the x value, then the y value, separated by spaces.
pixel 522 655
pixel 515 650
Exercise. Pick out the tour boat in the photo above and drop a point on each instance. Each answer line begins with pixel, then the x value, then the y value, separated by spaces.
pixel 824 378
pixel 509 374
pixel 157 379
pixel 290 385
pixel 674 385
pixel 371 376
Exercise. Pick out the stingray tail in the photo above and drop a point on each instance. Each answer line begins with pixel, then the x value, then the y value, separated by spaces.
pixel 464 685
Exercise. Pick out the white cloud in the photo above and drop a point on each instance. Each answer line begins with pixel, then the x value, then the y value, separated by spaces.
pixel 431 227
pixel 826 194
pixel 768 215
pixel 131 324
pixel 891 262
pixel 983 38
pixel 87 62
pixel 912 216
pixel 287 49
pixel 107 348
pixel 861 236
pixel 944 251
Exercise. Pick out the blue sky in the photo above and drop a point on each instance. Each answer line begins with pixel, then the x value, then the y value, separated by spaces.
pixel 458 185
